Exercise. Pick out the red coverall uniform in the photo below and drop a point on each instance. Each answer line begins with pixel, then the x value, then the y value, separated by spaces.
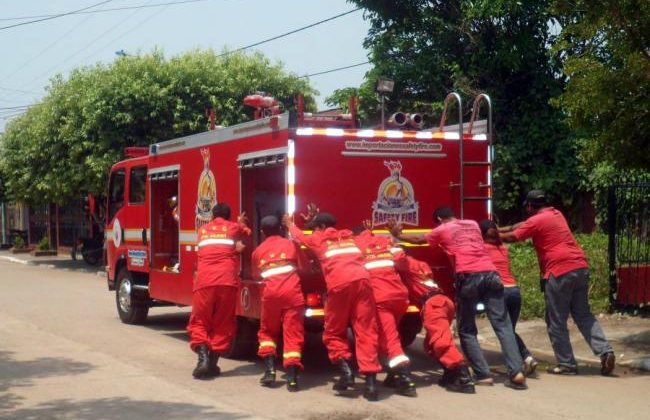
pixel 349 296
pixel 283 306
pixel 391 296
pixel 214 298
pixel 437 310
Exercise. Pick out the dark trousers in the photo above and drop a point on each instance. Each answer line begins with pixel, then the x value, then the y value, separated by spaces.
pixel 512 299
pixel 568 294
pixel 485 287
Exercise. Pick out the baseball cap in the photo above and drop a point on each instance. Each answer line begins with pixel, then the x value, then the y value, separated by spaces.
pixel 535 197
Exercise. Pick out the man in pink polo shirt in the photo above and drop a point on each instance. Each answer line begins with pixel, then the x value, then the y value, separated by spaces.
pixel 477 281
pixel 565 281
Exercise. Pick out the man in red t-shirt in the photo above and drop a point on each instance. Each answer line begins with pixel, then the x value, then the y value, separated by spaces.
pixel 213 322
pixel 565 281
pixel 349 299
pixel 498 253
pixel 476 281
pixel 275 261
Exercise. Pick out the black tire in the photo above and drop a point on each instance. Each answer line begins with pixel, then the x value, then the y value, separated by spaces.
pixel 131 308
pixel 409 327
pixel 91 257
pixel 244 343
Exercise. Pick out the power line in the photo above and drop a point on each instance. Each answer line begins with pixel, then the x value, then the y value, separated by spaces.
pixel 336 69
pixel 114 9
pixel 290 32
pixel 55 16
pixel 14 107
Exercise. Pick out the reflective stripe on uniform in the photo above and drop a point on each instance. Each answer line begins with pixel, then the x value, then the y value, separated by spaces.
pixel 379 264
pixel 267 344
pixel 290 354
pixel 430 283
pixel 277 270
pixel 213 241
pixel 398 360
pixel 396 249
pixel 339 251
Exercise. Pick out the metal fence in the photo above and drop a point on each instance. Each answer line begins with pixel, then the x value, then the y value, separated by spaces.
pixel 629 245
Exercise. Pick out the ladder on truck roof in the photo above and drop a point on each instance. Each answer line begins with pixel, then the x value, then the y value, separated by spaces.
pixel 476 107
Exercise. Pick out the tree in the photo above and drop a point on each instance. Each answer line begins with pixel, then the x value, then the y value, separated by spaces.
pixel 63 147
pixel 605 49
pixel 496 46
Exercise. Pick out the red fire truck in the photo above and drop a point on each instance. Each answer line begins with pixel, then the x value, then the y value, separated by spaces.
pixel 279 162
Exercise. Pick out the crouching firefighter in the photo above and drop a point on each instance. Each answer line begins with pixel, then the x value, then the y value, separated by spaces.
pixel 437 313
pixel 349 299
pixel 392 300
pixel 214 296
pixel 275 261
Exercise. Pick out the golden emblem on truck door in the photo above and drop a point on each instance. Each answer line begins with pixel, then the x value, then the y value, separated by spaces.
pixel 206 193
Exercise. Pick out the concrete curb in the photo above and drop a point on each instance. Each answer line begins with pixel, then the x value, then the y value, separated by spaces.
pixel 99 273
pixel 14 260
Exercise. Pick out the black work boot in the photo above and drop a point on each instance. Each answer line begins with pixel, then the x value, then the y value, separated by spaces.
pixel 347 377
pixel 202 369
pixel 292 378
pixel 269 375
pixel 213 369
pixel 447 377
pixel 405 383
pixel 391 379
pixel 370 392
pixel 461 381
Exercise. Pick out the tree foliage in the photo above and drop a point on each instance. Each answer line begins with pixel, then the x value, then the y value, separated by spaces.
pixel 63 147
pixel 605 49
pixel 500 47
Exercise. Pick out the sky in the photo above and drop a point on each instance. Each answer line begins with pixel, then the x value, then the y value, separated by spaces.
pixel 33 53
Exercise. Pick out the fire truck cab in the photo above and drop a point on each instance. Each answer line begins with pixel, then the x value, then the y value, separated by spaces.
pixel 278 163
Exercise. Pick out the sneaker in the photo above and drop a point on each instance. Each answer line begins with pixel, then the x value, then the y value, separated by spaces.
pixel 530 365
pixel 562 370
pixel 487 381
pixel 517 381
pixel 607 363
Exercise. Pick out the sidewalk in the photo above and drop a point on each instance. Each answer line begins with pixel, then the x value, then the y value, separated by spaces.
pixel 628 335
pixel 59 262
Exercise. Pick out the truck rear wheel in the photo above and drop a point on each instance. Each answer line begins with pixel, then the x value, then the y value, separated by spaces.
pixel 409 327
pixel 244 344
pixel 131 309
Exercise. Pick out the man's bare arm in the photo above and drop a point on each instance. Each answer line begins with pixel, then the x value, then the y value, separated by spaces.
pixel 412 238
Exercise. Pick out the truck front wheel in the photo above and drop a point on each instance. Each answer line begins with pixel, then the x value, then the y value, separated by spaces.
pixel 131 309
pixel 244 343
pixel 409 327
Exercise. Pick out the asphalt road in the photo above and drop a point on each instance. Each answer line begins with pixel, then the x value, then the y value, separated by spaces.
pixel 64 354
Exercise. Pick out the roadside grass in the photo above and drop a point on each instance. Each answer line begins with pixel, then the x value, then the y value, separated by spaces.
pixel 525 268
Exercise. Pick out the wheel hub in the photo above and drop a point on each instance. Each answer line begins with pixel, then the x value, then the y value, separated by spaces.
pixel 124 295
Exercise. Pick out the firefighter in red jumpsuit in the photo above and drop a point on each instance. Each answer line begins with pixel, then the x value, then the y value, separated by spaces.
pixel 275 261
pixel 349 299
pixel 213 322
pixel 392 300
pixel 437 311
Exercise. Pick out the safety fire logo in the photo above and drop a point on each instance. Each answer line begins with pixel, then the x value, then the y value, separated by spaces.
pixel 207 192
pixel 395 198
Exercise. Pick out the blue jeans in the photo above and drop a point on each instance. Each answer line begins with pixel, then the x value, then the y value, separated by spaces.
pixel 566 294
pixel 485 287
pixel 512 299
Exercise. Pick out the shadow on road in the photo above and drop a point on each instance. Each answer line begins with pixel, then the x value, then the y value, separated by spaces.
pixel 63 264
pixel 15 373
pixel 117 408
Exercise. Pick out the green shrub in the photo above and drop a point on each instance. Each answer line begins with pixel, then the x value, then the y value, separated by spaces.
pixel 44 244
pixel 525 268
pixel 19 242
